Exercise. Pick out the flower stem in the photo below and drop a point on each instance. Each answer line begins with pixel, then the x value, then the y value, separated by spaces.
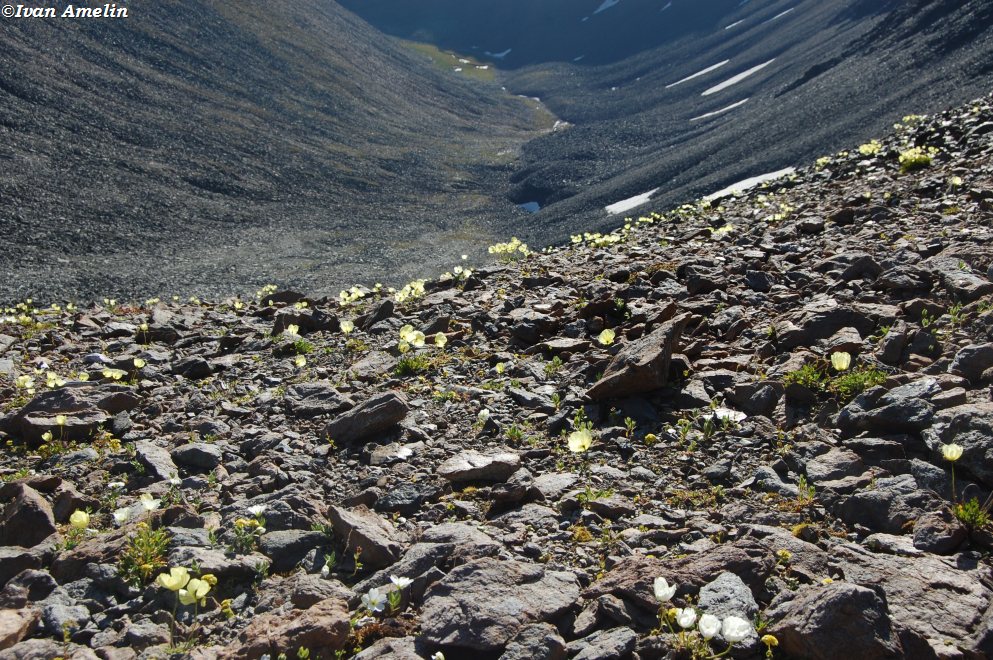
pixel 954 496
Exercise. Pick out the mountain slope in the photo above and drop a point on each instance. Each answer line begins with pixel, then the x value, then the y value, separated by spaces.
pixel 747 409
pixel 201 139
pixel 812 76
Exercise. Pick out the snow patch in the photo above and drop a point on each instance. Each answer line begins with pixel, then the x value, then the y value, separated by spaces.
pixel 749 183
pixel 576 59
pixel 699 73
pixel 499 56
pixel 721 111
pixel 607 4
pixel 780 15
pixel 664 8
pixel 737 79
pixel 630 202
pixel 735 24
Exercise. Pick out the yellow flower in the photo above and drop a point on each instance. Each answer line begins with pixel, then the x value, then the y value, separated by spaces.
pixel 500 367
pixel 770 640
pixel 195 591
pixel 300 361
pixel 114 374
pixel 440 340
pixel 47 436
pixel 210 579
pixel 826 581
pixel 347 327
pixel 83 376
pixel 60 420
pixel 606 337
pixel 292 329
pixel 176 579
pixel 79 519
pixel 952 452
pixel 580 441
pixel 139 363
pixel 841 360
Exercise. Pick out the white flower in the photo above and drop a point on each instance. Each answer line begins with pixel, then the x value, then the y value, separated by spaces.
pixel 121 516
pixel 325 571
pixel 175 481
pixel 438 656
pixel 114 485
pixel 580 441
pixel 952 452
pixel 686 617
pixel 606 337
pixel 400 582
pixel 347 327
pixel 841 360
pixel 79 519
pixel 374 601
pixel 709 625
pixel 735 629
pixel 148 502
pixel 483 415
pixel 440 340
pixel 175 579
pixel 257 509
pixel 664 592
pixel 292 329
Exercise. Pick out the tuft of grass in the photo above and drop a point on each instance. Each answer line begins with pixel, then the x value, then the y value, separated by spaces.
pixel 411 365
pixel 972 514
pixel 849 384
pixel 144 555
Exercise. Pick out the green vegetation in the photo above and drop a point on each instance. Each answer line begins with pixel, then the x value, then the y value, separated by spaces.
pixel 450 61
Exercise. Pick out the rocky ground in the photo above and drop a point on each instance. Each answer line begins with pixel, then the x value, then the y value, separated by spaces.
pixel 752 399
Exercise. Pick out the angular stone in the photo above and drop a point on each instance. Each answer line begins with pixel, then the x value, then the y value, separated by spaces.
pixel 27 520
pixel 839 620
pixel 86 406
pixel 471 465
pixel 904 409
pixel 960 282
pixel 485 603
pixel 371 417
pixel 322 628
pixel 919 588
pixel 15 625
pixel 362 528
pixel 613 643
pixel 538 641
pixel 972 361
pixel 157 461
pixel 971 427
pixel 317 398
pixel 728 595
pixel 642 365
pixel 392 648
pixel 198 455
pixel 287 548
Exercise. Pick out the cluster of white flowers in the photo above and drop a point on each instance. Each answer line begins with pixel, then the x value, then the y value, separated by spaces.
pixel 350 296
pixel 733 628
pixel 410 291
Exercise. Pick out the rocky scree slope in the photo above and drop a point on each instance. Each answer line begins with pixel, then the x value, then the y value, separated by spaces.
pixel 200 145
pixel 288 455
pixel 832 73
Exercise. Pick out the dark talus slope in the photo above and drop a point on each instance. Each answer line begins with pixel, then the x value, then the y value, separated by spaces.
pixel 729 448
pixel 202 141
pixel 835 71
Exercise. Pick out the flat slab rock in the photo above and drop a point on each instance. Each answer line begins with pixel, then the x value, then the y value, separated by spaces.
pixel 472 465
pixel 485 603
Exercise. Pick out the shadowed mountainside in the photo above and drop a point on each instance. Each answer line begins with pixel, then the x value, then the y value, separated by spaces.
pixel 824 73
pixel 203 142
